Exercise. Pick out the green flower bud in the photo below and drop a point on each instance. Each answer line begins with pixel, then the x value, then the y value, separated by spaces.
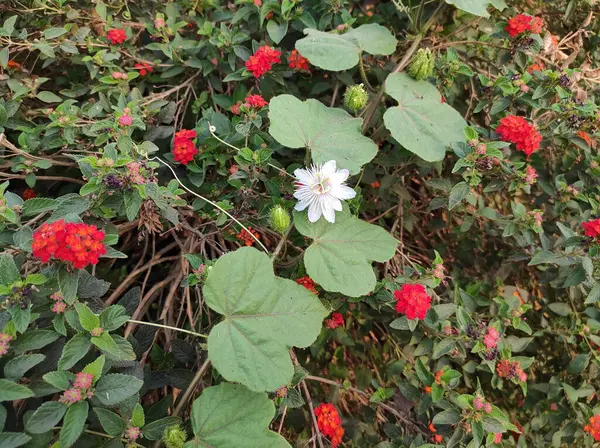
pixel 280 219
pixel 422 65
pixel 174 437
pixel 356 97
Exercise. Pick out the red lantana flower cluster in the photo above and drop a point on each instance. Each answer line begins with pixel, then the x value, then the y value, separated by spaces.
pixel 412 301
pixel 29 193
pixel 518 131
pixel 335 321
pixel 246 237
pixel 329 423
pixel 592 228
pixel 593 427
pixel 511 370
pixel 308 283
pixel 76 243
pixel 144 69
pixel 522 23
pixel 298 62
pixel 184 149
pixel 255 101
pixel 262 61
pixel 116 36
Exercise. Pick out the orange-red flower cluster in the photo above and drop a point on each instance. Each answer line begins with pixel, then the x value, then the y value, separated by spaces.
pixel 518 131
pixel 246 237
pixel 308 283
pixel 255 101
pixel 184 149
pixel 262 61
pixel 592 228
pixel 329 423
pixel 536 66
pixel 585 136
pixel 511 370
pixel 298 62
pixel 335 321
pixel 76 243
pixel 116 36
pixel 29 193
pixel 522 22
pixel 593 427
pixel 412 301
pixel 143 68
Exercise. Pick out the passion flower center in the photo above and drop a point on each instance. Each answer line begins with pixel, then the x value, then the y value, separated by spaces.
pixel 322 185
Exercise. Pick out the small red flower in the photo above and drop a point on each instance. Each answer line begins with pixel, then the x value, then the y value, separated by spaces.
pixel 184 149
pixel 235 109
pixel 262 61
pixel 522 22
pixel 518 131
pixel 29 193
pixel 530 175
pixel 375 184
pixel 585 136
pixel 83 380
pixel 71 396
pixel 246 237
pixel 308 283
pixel 258 3
pixel 329 423
pixel 593 427
pixel 144 69
pixel 59 307
pixel 491 338
pixel 298 62
pixel 4 340
pixel 511 370
pixel 255 101
pixel 412 301
pixel 592 228
pixel 116 36
pixel 535 67
pixel 125 120
pixel 76 243
pixel 335 321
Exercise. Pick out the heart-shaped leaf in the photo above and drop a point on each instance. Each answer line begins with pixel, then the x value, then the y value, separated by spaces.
pixel 339 259
pixel 231 415
pixel 477 7
pixel 329 133
pixel 264 316
pixel 420 122
pixel 337 52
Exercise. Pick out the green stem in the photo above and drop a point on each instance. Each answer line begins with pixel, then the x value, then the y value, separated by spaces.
pixel 191 387
pixel 106 436
pixel 167 327
pixel 363 73
pixel 419 17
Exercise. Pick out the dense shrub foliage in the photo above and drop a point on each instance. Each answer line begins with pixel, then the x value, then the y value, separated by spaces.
pixel 265 223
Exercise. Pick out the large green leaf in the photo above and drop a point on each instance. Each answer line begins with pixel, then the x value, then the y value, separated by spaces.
pixel 46 417
pixel 10 391
pixel 229 415
pixel 114 388
pixel 73 423
pixel 329 133
pixel 477 7
pixel 339 259
pixel 264 316
pixel 337 52
pixel 421 122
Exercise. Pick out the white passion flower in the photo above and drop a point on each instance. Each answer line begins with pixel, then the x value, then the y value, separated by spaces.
pixel 321 188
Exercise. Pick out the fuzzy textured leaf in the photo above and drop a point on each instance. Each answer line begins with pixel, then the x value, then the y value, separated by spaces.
pixel 339 259
pixel 264 316
pixel 329 133
pixel 337 52
pixel 230 415
pixel 420 122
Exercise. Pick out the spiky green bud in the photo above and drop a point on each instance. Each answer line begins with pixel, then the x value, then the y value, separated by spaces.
pixel 174 437
pixel 356 97
pixel 280 219
pixel 422 65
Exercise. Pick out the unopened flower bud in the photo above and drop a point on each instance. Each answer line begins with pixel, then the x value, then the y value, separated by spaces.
pixel 356 97
pixel 481 149
pixel 422 65
pixel 97 332
pixel 174 437
pixel 280 219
